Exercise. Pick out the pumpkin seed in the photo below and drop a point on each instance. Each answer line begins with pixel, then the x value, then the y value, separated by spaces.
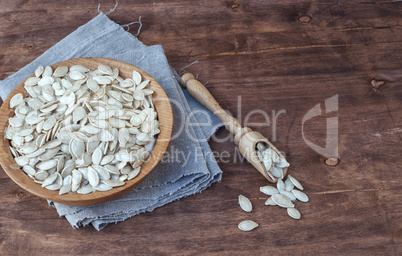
pixel 245 203
pixel 247 225
pixel 300 195
pixel 294 213
pixel 282 201
pixel 269 190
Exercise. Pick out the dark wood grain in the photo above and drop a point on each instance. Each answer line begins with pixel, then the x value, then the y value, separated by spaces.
pixel 288 55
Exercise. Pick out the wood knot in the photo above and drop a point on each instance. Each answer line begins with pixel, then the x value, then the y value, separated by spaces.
pixel 21 194
pixel 305 19
pixel 332 161
pixel 234 6
pixel 30 47
pixel 377 83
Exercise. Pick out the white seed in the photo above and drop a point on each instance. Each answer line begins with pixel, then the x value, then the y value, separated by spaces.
pixel 76 177
pixel 67 180
pixel 60 71
pixel 247 225
pixel 123 136
pixel 30 82
pixel 282 163
pixel 52 144
pixel 47 72
pixel 39 71
pixel 93 177
pixel 100 124
pixel 289 185
pixel 15 122
pixel 102 79
pixel 295 182
pixel 37 153
pixel 75 187
pixel 77 147
pixel 28 138
pixel 282 201
pixel 266 161
pixel 134 173
pixel 49 180
pixel 289 195
pixel 123 177
pixel 41 175
pixel 143 137
pixel 49 123
pixel 16 100
pixel 78 114
pixel 79 68
pixel 46 165
pixel 294 213
pixel 142 85
pixel 103 174
pixel 28 148
pixel 113 183
pixel 270 201
pixel 76 75
pixel 103 187
pixel 67 170
pixel 97 156
pixel 245 203
pixel 107 159
pixel 274 156
pixel 125 157
pixel 65 189
pixel 112 169
pixel 127 97
pixel 22 160
pixel 29 170
pixel 261 146
pixel 54 186
pixel 137 77
pixel 46 80
pixel 300 195
pixel 138 95
pixel 49 109
pixel 48 154
pixel 280 185
pixel 105 135
pixel 147 91
pixel 85 189
pixel 269 190
pixel 104 69
pixel 277 172
pixel 92 144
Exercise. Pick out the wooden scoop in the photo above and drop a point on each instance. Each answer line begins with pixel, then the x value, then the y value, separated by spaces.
pixel 245 138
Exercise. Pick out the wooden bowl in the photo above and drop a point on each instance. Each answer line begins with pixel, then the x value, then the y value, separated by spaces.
pixel 165 117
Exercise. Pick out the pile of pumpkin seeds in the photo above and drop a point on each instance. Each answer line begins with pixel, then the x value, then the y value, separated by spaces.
pixel 285 192
pixel 273 163
pixel 80 130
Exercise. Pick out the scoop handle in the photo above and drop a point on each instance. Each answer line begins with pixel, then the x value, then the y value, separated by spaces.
pixel 203 96
pixel 245 138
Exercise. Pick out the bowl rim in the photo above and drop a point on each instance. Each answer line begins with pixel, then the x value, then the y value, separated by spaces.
pixel 165 117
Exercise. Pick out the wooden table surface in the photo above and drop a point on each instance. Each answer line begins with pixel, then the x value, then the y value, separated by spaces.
pixel 284 56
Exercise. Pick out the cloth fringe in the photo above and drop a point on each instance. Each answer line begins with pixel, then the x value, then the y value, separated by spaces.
pixel 182 70
pixel 110 11
pixel 131 23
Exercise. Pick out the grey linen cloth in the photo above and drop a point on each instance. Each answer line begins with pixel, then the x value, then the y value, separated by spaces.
pixel 187 168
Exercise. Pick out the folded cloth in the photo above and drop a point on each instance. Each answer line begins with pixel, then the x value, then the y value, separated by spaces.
pixel 188 166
